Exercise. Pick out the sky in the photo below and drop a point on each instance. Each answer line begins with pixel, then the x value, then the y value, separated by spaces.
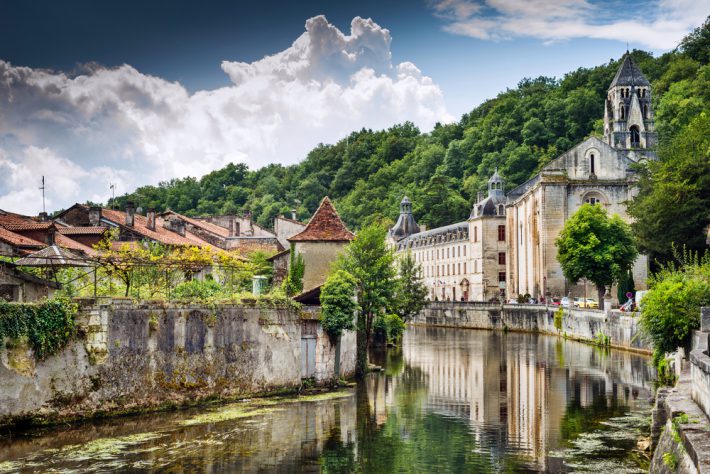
pixel 137 92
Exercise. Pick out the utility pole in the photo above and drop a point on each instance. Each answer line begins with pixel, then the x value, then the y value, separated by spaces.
pixel 42 188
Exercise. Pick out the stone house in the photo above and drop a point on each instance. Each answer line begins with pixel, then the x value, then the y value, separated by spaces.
pixel 19 286
pixel 321 241
pixel 595 171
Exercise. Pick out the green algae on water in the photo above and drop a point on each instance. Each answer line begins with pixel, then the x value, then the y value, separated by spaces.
pixel 227 413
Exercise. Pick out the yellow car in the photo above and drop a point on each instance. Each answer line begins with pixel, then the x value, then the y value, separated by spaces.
pixel 588 303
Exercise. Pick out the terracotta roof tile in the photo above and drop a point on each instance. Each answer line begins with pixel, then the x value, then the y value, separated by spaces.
pixel 12 218
pixel 325 225
pixel 160 234
pixel 28 226
pixel 97 230
pixel 72 244
pixel 208 226
pixel 19 240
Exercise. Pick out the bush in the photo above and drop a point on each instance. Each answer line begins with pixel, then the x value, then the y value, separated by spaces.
pixel 48 326
pixel 559 314
pixel 395 327
pixel 197 290
pixel 671 308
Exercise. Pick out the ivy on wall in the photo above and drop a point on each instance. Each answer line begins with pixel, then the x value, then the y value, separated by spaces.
pixel 48 326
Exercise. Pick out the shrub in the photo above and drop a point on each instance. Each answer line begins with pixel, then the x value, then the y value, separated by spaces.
pixel 337 299
pixel 395 327
pixel 559 314
pixel 197 290
pixel 671 308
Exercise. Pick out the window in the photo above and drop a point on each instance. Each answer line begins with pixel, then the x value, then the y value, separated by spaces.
pixel 501 276
pixel 447 253
pixel 464 250
pixel 645 111
pixel 635 137
pixel 501 210
pixel 591 163
pixel 459 269
pixel 459 250
pixel 475 266
pixel 501 258
pixel 501 233
pixel 622 112
pixel 464 267
pixel 475 234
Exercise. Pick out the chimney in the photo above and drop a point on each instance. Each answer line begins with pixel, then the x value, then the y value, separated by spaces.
pixel 50 235
pixel 293 214
pixel 150 218
pixel 94 216
pixel 247 214
pixel 130 213
pixel 43 217
pixel 233 226
pixel 480 196
pixel 175 224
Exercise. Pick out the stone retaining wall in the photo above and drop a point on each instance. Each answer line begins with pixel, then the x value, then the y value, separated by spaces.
pixel 132 356
pixel 584 324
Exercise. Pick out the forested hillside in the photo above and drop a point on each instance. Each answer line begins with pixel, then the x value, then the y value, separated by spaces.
pixel 518 131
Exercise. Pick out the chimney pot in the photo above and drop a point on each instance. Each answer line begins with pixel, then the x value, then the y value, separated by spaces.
pixel 293 214
pixel 50 235
pixel 130 213
pixel 150 218
pixel 43 217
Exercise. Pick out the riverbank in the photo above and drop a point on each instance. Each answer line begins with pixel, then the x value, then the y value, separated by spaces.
pixel 608 328
pixel 137 357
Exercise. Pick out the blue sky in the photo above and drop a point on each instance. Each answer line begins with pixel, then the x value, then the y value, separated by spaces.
pixel 134 92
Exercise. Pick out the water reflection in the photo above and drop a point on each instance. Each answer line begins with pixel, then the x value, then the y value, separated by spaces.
pixel 448 401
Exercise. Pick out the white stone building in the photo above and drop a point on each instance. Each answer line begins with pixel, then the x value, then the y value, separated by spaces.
pixel 595 171
pixel 463 261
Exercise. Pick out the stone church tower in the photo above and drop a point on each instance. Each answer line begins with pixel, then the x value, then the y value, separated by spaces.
pixel 628 116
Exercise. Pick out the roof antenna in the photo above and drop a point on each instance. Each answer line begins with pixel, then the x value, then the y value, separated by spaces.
pixel 112 187
pixel 42 188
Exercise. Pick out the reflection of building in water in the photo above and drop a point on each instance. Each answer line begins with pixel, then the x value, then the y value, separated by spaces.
pixel 515 389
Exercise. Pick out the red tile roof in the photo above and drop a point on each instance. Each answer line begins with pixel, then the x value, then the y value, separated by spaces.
pixel 208 226
pixel 72 244
pixel 19 240
pixel 325 225
pixel 81 230
pixel 12 218
pixel 28 226
pixel 160 234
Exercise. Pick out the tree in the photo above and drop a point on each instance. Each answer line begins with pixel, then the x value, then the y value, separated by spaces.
pixel 293 284
pixel 674 194
pixel 370 262
pixel 597 247
pixel 337 299
pixel 411 293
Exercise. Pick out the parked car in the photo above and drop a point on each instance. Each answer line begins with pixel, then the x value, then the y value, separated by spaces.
pixel 565 302
pixel 588 303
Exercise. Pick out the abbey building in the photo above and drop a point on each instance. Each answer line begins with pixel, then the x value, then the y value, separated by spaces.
pixel 507 246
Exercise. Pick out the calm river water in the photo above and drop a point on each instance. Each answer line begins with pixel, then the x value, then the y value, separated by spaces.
pixel 448 401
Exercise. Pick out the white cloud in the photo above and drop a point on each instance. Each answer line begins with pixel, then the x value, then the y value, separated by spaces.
pixel 659 25
pixel 122 126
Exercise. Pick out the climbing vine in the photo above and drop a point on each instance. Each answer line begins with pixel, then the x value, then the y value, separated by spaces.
pixel 48 326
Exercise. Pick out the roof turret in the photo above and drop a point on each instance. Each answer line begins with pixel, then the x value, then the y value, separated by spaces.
pixel 406 225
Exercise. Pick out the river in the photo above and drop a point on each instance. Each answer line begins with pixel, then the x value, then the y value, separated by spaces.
pixel 448 400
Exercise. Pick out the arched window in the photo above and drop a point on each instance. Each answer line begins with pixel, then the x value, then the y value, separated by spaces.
pixel 501 210
pixel 645 111
pixel 591 163
pixel 622 112
pixel 635 137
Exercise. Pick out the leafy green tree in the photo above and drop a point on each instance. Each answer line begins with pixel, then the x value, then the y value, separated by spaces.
pixel 293 284
pixel 597 247
pixel 410 293
pixel 370 262
pixel 337 298
pixel 673 203
pixel 670 311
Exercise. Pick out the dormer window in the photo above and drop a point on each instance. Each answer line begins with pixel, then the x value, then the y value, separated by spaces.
pixel 635 137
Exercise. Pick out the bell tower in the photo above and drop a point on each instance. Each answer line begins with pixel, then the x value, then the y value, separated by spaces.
pixel 628 116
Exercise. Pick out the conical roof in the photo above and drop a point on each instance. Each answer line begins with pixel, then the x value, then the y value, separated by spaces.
pixel 495 178
pixel 629 74
pixel 325 225
pixel 406 224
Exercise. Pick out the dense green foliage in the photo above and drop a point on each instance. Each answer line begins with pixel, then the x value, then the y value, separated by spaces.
pixel 197 290
pixel 293 283
pixel 337 298
pixel 48 325
pixel 670 311
pixel 597 247
pixel 371 263
pixel 410 293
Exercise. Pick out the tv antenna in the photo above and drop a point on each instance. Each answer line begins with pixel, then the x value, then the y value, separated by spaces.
pixel 43 188
pixel 112 186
